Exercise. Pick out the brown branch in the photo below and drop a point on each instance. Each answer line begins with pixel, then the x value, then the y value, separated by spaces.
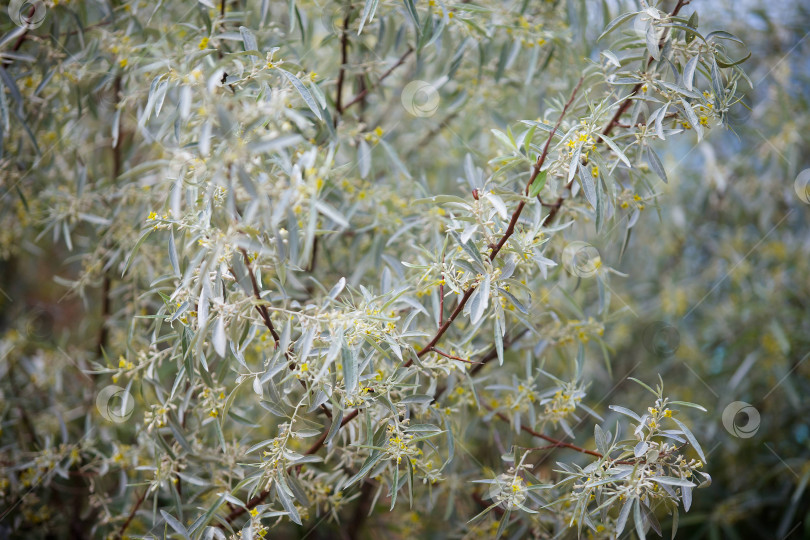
pixel 452 357
pixel 555 442
pixel 359 97
pixel 344 59
pixel 269 323
pixel 256 293
pixel 258 499
pixel 135 508
pixel 510 229
pixel 614 121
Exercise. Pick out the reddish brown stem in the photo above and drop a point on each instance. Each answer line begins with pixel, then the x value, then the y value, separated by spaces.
pixel 359 97
pixel 452 357
pixel 131 516
pixel 510 229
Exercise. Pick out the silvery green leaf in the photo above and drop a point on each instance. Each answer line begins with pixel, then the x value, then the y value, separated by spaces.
pixel 305 93
pixel 173 255
pixel 363 158
pixel 498 204
pixel 417 398
pixel 626 412
pixel 656 165
pixel 499 345
pixel 368 14
pixel 283 492
pixel 479 300
pixel 717 81
pixel 613 146
pixel 672 481
pixel 588 186
pixel 615 23
pixel 337 288
pixel 350 367
pixel 639 520
pixel 274 144
pixel 692 117
pixel 219 339
pixel 331 213
pixel 624 513
pixel 691 438
pixel 652 41
pixel 175 524
pixel 467 233
pixel 612 58
pixel 249 41
pixel 689 72
pixel 640 448
pixel 601 439
pixel 514 301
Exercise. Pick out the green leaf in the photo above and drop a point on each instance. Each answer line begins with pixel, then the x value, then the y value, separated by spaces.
pixel 305 93
pixel 538 184
pixel 691 438
pixel 617 22
pixel 656 165
pixel 368 13
pixel 174 524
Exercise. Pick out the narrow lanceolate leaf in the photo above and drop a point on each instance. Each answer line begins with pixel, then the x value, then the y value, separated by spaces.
pixel 652 42
pixel 656 165
pixel 639 520
pixel 617 22
pixel 588 187
pixel 363 158
pixel 623 515
pixel 691 438
pixel 368 13
pixel 538 184
pixel 304 91
pixel 672 481
pixel 613 146
pixel 689 72
pixel 350 367
pixel 249 40
pixel 175 524
pixel 479 300
pixel 220 340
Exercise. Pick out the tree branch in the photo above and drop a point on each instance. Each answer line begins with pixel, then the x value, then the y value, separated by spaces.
pixel 359 97
pixel 510 229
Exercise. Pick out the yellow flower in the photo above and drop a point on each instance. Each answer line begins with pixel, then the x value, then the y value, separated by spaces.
pixel 595 172
pixel 152 215
pixel 214 413
pixel 123 62
pixel 254 512
pixel 203 44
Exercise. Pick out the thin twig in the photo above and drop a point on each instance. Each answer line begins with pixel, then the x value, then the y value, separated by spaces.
pixel 344 59
pixel 257 294
pixel 359 97
pixel 135 508
pixel 269 323
pixel 510 229
pixel 452 357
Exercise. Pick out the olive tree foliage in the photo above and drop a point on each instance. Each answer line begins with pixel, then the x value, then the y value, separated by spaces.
pixel 341 261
